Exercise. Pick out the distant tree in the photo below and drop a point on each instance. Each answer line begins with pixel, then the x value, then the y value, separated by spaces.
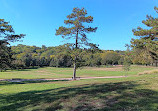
pixel 121 60
pixel 148 42
pixel 6 36
pixel 18 64
pixel 110 58
pixel 5 57
pixel 61 60
pixel 76 30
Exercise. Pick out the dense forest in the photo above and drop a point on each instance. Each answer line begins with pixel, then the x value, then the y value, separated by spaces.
pixel 62 56
pixel 23 56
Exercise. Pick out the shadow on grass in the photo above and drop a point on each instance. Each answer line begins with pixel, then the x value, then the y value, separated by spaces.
pixel 24 69
pixel 29 82
pixel 120 96
pixel 28 69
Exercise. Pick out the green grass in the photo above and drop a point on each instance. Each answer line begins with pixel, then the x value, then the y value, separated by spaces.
pixel 134 93
pixel 50 72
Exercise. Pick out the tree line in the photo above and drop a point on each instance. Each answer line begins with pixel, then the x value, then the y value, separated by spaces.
pixel 62 56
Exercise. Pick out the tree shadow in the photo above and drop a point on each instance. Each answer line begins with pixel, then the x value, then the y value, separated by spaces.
pixel 23 69
pixel 28 69
pixel 120 96
pixel 29 82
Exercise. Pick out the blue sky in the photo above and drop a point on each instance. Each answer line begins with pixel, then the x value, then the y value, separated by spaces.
pixel 39 19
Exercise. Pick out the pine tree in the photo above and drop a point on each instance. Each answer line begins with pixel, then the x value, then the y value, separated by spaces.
pixel 7 35
pixel 148 41
pixel 76 30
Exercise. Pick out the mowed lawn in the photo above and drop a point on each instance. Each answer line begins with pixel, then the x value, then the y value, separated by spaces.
pixel 51 72
pixel 133 93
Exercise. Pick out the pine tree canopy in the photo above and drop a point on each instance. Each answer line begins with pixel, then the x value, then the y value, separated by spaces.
pixel 76 28
pixel 148 41
pixel 7 33
pixel 150 22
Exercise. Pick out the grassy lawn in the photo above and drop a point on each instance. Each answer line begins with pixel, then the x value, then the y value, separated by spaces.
pixel 50 72
pixel 134 93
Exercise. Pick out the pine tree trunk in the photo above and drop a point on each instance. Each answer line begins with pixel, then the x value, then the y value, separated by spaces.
pixel 76 46
pixel 74 73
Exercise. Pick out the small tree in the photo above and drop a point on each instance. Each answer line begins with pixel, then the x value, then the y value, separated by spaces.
pixel 126 65
pixel 127 61
pixel 76 30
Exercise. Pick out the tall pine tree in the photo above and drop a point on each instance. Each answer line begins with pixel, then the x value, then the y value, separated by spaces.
pixel 7 35
pixel 148 42
pixel 77 30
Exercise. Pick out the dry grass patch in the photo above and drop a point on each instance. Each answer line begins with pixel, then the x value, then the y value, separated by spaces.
pixel 42 71
pixel 149 72
pixel 108 69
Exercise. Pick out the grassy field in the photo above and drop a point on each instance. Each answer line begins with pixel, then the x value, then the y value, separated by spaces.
pixel 133 93
pixel 50 72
